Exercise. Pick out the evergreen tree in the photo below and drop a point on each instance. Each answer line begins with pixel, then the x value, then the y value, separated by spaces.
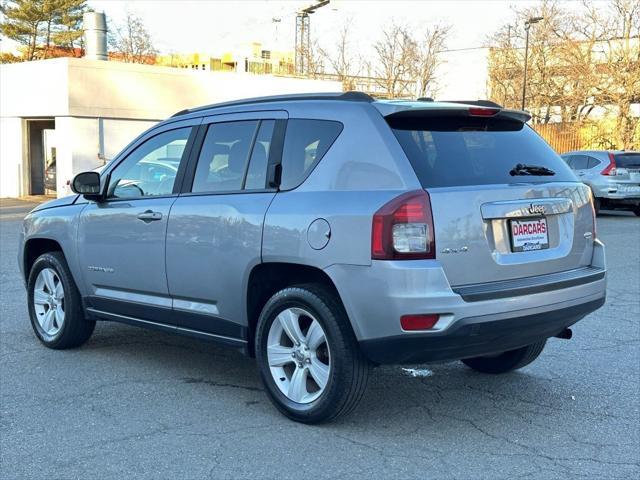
pixel 69 33
pixel 41 24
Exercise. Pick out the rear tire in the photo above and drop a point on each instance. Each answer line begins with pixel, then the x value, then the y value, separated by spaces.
pixel 346 370
pixel 55 307
pixel 506 361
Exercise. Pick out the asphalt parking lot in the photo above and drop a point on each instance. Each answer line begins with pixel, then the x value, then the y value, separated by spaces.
pixel 140 404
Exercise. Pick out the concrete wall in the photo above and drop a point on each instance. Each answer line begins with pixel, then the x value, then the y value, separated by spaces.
pixel 91 88
pixel 11 157
pixel 78 144
pixel 99 107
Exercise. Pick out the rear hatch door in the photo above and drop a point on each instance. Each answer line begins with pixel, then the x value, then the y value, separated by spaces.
pixel 627 173
pixel 505 205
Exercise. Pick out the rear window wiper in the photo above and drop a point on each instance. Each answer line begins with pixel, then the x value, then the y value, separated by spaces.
pixel 522 169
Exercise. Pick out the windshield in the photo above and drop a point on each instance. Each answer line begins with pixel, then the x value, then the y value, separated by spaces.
pixel 462 151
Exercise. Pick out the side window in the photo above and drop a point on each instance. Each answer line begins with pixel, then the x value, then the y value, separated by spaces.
pixel 305 143
pixel 223 158
pixel 568 159
pixel 151 169
pixel 593 162
pixel 257 172
pixel 580 162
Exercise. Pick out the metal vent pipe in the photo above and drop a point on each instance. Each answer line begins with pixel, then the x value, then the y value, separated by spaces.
pixel 95 36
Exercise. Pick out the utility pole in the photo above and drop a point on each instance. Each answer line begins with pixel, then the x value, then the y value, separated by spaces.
pixel 303 37
pixel 527 26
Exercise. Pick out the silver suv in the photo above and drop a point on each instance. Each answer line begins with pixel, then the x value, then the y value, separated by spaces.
pixel 324 234
pixel 613 176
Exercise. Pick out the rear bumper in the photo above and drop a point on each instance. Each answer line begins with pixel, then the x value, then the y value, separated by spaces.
pixel 476 336
pixel 621 200
pixel 615 192
pixel 488 320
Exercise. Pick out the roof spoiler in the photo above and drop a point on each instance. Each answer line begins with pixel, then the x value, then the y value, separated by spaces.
pixel 432 111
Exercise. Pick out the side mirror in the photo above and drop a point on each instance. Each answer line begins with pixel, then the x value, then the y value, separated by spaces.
pixel 87 184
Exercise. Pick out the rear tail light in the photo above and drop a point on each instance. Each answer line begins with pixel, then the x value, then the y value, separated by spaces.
pixel 403 229
pixel 611 168
pixel 418 322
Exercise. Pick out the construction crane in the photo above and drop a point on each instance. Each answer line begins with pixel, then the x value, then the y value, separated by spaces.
pixel 303 38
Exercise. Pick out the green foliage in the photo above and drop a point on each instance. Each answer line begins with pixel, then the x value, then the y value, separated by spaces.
pixel 41 25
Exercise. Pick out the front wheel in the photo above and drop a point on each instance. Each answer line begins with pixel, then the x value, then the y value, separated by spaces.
pixel 55 307
pixel 308 356
pixel 506 361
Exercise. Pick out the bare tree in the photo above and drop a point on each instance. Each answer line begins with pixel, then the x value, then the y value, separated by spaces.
pixel 314 60
pixel 396 53
pixel 131 41
pixel 428 59
pixel 618 66
pixel 505 68
pixel 554 86
pixel 342 61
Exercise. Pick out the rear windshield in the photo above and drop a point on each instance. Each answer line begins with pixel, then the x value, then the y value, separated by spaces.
pixel 628 160
pixel 460 151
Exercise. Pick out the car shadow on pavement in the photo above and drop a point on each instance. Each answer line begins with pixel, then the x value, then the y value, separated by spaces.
pixel 398 399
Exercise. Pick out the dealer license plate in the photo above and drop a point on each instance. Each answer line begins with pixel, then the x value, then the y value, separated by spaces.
pixel 528 235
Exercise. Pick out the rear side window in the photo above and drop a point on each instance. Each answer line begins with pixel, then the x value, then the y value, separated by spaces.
pixel 305 143
pixel 257 172
pixel 224 157
pixel 459 151
pixel 580 162
pixel 593 162
pixel 628 160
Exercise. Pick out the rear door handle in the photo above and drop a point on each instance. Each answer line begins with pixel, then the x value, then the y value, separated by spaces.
pixel 150 216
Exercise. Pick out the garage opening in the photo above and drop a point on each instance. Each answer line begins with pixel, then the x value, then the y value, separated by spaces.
pixel 42 157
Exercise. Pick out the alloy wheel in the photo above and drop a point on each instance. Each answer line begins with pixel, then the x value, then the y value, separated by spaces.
pixel 48 301
pixel 298 355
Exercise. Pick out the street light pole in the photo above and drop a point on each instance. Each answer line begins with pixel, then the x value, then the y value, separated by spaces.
pixel 527 26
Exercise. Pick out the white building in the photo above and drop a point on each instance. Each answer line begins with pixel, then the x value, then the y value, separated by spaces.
pixel 72 114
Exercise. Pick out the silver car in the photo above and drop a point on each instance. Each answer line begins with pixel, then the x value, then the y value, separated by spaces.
pixel 325 234
pixel 612 175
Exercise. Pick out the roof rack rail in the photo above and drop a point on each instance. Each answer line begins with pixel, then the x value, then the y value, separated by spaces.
pixel 480 103
pixel 424 99
pixel 346 96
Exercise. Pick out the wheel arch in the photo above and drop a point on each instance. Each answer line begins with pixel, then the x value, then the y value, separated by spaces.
pixel 34 247
pixel 265 279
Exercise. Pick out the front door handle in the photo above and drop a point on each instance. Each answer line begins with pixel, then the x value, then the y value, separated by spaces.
pixel 150 216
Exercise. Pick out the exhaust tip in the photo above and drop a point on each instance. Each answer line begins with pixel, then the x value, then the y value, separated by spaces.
pixel 565 334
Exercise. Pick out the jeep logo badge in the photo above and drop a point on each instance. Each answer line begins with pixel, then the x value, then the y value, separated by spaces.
pixel 537 209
